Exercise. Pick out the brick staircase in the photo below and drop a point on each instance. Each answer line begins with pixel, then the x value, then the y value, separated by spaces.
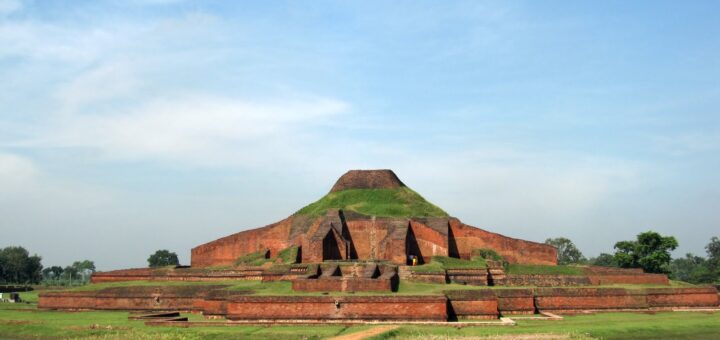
pixel 496 273
pixel 404 272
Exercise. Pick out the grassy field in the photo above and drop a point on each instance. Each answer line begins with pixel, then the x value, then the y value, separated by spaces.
pixel 544 270
pixel 24 321
pixel 399 202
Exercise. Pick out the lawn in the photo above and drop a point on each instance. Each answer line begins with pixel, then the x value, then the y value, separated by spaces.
pixel 27 322
pixel 663 325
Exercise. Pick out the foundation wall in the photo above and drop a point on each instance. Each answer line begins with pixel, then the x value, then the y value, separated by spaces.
pixel 641 278
pixel 546 280
pixel 577 299
pixel 482 303
pixel 515 301
pixel 684 297
pixel 183 274
pixel 475 304
pixel 326 307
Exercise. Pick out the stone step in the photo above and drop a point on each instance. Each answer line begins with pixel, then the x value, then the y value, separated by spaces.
pixel 404 272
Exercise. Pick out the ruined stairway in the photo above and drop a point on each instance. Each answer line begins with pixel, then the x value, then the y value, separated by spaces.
pixel 496 273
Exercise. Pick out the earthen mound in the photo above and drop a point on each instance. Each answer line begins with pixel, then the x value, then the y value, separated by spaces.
pixel 367 179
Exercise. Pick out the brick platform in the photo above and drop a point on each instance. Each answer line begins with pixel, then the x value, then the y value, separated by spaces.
pixel 214 301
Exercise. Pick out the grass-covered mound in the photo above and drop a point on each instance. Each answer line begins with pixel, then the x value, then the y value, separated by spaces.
pixel 394 202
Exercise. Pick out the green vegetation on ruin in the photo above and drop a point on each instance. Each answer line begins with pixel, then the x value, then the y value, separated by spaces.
pixel 255 259
pixel 438 264
pixel 396 202
pixel 286 256
pixel 284 288
pixel 531 269
pixel 25 322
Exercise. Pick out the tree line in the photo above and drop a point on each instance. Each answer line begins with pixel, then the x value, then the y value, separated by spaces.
pixel 17 266
pixel 651 252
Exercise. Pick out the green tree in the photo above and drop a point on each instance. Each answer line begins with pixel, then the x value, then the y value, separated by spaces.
pixel 713 253
pixel 691 268
pixel 19 267
pixel 70 273
pixel 52 273
pixel 651 252
pixel 84 269
pixel 567 251
pixel 163 258
pixel 604 259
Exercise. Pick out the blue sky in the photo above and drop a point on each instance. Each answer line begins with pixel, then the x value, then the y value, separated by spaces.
pixel 131 126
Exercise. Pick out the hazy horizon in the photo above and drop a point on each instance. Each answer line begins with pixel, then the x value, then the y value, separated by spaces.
pixel 127 127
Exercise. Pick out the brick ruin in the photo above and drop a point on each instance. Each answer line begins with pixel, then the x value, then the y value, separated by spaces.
pixel 214 301
pixel 349 235
pixel 344 252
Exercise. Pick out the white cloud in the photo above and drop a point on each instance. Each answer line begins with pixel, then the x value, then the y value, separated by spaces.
pixel 15 171
pixel 107 81
pixel 195 129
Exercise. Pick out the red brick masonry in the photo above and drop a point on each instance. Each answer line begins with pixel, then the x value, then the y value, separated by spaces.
pixel 482 303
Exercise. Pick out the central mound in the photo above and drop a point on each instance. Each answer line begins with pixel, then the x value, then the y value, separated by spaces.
pixel 367 215
pixel 367 179
pixel 373 193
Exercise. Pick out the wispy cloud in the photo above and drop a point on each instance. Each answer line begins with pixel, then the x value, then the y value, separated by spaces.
pixel 195 129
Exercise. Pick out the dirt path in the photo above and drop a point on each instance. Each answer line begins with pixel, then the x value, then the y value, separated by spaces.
pixel 366 333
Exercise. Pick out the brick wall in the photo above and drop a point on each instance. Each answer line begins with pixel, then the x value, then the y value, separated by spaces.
pixel 346 307
pixel 513 250
pixel 629 279
pixel 546 280
pixel 515 301
pixel 472 304
pixel 226 250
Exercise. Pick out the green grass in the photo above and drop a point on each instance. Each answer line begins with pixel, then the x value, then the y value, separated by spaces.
pixel 663 325
pixel 98 286
pixel 288 255
pixel 39 324
pixel 438 264
pixel 253 259
pixel 398 202
pixel 544 270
